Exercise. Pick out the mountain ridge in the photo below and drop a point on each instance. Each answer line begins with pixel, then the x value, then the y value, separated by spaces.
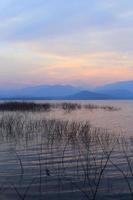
pixel 117 90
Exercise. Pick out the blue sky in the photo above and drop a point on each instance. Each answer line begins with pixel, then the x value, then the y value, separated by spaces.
pixel 79 42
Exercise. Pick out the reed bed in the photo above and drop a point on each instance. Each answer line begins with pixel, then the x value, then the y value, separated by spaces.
pixel 24 106
pixel 66 106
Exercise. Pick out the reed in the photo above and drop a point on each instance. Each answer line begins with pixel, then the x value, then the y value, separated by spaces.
pixel 36 107
pixel 73 154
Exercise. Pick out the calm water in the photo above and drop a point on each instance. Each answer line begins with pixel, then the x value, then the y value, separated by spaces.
pixel 39 160
pixel 121 121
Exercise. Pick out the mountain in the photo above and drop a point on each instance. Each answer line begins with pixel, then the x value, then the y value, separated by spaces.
pixel 49 91
pixel 118 94
pixel 118 90
pixel 122 85
pixel 54 92
pixel 88 95
pixel 41 91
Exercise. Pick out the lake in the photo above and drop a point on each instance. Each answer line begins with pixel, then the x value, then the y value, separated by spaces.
pixel 67 154
pixel 121 120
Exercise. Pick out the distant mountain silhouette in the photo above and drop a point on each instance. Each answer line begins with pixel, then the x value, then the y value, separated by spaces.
pixel 88 95
pixel 118 90
pixel 122 85
pixel 41 91
pixel 119 94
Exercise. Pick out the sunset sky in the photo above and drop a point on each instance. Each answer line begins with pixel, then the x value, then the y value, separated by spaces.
pixel 78 42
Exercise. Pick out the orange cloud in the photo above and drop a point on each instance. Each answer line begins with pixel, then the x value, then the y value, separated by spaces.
pixel 96 68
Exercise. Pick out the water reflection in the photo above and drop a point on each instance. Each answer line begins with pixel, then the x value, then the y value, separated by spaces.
pixel 45 156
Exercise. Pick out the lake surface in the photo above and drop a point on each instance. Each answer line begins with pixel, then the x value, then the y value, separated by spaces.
pixel 121 121
pixel 67 155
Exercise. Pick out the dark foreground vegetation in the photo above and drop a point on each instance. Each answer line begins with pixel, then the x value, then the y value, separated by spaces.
pixel 31 106
pixel 56 159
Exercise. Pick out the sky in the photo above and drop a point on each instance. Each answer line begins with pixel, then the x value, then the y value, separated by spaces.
pixel 77 42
